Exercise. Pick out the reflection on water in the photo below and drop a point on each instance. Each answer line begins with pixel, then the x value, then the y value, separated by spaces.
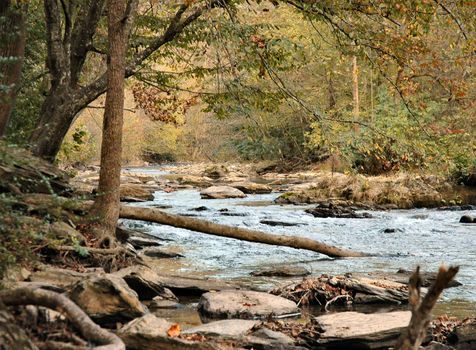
pixel 421 236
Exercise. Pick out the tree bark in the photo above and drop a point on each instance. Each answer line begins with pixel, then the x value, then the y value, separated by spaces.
pixel 88 329
pixel 12 48
pixel 106 206
pixel 155 215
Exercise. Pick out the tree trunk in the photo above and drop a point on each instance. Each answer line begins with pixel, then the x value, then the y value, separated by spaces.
pixel 355 90
pixel 107 203
pixel 57 114
pixel 154 215
pixel 12 49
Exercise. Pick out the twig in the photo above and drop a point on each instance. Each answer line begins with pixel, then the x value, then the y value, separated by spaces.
pixel 333 300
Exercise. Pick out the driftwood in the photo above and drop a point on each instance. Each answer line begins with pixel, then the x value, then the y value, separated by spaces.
pixel 91 331
pixel 413 336
pixel 158 216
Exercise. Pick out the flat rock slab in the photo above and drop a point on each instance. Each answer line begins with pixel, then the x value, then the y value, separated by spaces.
pixel 62 278
pixel 367 331
pixel 252 187
pixel 221 192
pixel 233 328
pixel 245 304
pixel 193 286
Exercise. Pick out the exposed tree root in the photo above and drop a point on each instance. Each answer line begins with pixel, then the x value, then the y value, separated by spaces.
pixel 421 309
pixel 88 329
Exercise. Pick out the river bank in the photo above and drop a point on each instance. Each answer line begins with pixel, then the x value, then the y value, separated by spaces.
pixel 164 305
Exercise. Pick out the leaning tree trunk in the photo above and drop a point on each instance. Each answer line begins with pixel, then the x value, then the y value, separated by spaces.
pixel 12 50
pixel 57 114
pixel 107 203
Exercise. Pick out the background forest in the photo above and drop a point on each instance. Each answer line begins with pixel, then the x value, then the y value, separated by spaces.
pixel 374 88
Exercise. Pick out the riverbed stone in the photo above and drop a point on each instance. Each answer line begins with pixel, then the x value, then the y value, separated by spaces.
pixel 136 191
pixel 107 299
pixel 331 210
pixel 195 181
pixel 149 332
pixel 232 328
pixel 180 285
pixel 159 253
pixel 221 192
pixel 216 171
pixel 245 304
pixel 366 331
pixel 252 187
pixel 145 282
pixel 467 219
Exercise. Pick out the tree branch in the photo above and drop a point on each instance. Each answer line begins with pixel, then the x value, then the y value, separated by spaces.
pixel 56 59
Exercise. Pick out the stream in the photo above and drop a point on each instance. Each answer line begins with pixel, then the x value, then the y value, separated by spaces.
pixel 397 239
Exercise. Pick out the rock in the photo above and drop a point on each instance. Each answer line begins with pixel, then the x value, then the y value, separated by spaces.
pixel 221 192
pixel 282 271
pixel 465 335
pixel 159 303
pixel 252 187
pixel 159 253
pixel 355 330
pixel 150 333
pixel 458 207
pixel 195 181
pixel 466 219
pixel 107 299
pixel 142 242
pixel 132 200
pixel 215 171
pixel 233 328
pixel 13 336
pixel 193 286
pixel 62 278
pixel 437 346
pixel 145 282
pixel 136 191
pixel 330 210
pixel 278 223
pixel 233 214
pixel 201 208
pixel 245 304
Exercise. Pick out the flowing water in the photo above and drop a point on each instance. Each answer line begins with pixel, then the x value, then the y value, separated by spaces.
pixel 424 237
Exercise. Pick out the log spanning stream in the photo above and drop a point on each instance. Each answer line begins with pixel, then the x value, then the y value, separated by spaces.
pixel 398 238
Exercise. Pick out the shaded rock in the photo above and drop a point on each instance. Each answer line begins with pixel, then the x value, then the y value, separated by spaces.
pixel 128 199
pixel 159 253
pixel 354 330
pixel 159 303
pixel 136 191
pixel 282 271
pixel 233 214
pixel 279 223
pixel 201 208
pixel 437 346
pixel 330 210
pixel 464 335
pixel 160 206
pixel 458 207
pixel 142 242
pixel 252 187
pixel 107 299
pixel 233 328
pixel 145 282
pixel 216 171
pixel 150 333
pixel 466 219
pixel 193 286
pixel 62 278
pixel 245 304
pixel 221 192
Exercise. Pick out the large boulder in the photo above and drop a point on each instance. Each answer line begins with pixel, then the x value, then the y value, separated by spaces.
pixel 196 181
pixel 134 191
pixel 145 282
pixel 107 299
pixel 150 333
pixel 233 328
pixel 252 187
pixel 466 219
pixel 221 192
pixel 245 304
pixel 331 210
pixel 354 330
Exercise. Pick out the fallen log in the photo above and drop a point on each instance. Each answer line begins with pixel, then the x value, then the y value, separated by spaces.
pixel 158 216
